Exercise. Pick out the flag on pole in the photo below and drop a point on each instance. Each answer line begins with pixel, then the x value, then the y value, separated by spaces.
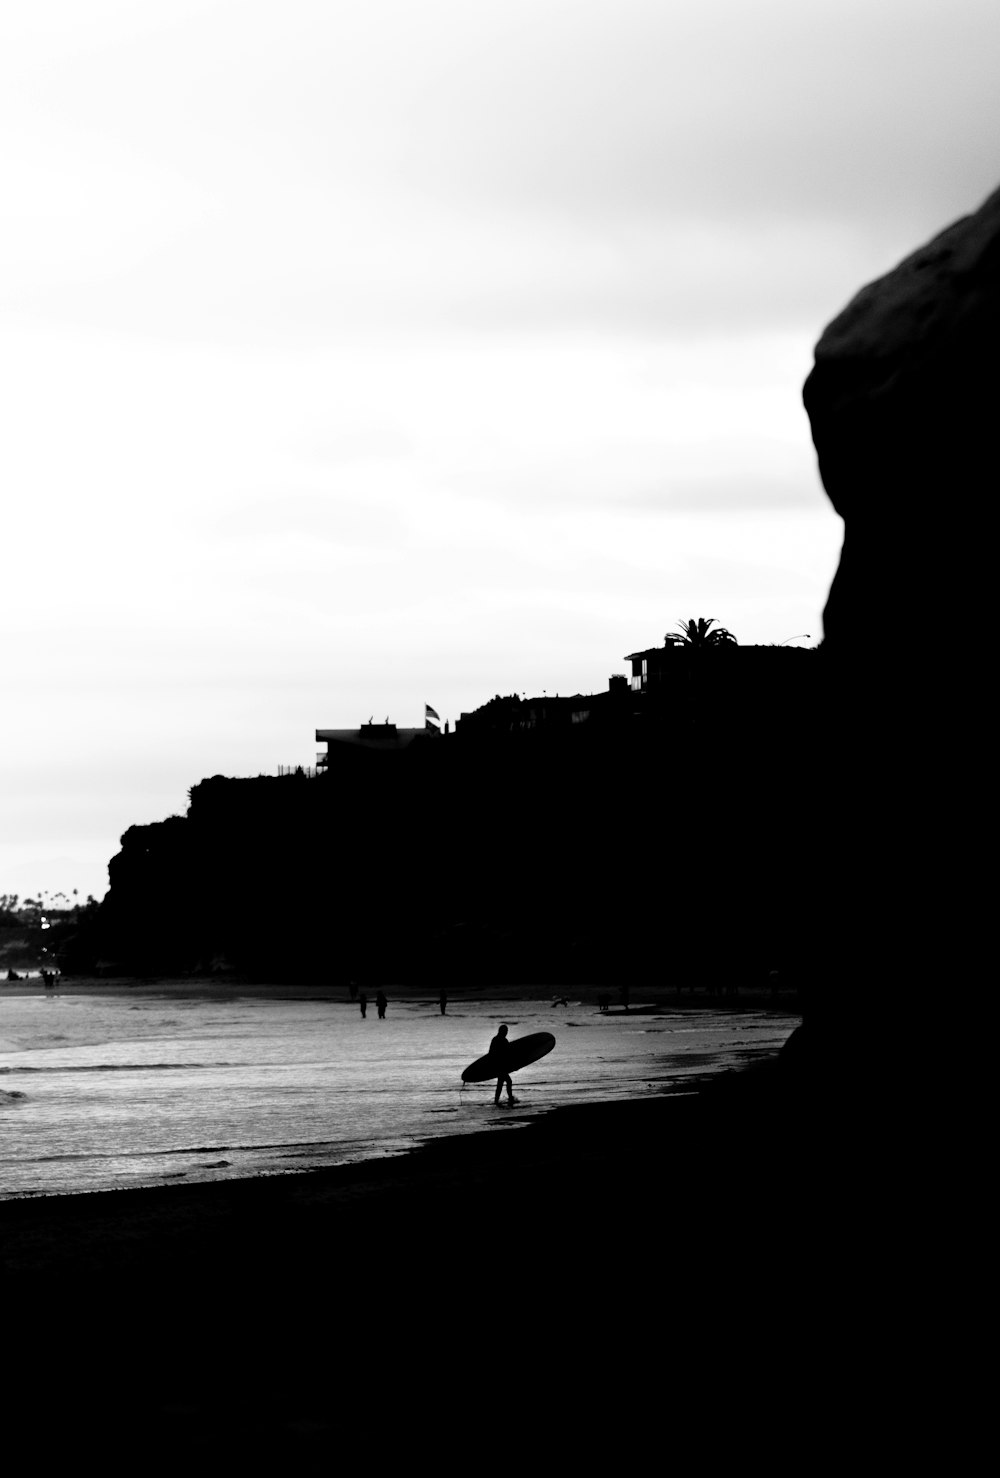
pixel 431 719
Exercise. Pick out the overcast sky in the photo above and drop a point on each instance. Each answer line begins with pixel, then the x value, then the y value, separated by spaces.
pixel 360 355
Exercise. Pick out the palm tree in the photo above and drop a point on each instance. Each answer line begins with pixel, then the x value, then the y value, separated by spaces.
pixel 696 633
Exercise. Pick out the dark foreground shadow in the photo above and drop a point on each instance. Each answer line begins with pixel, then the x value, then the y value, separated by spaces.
pixel 631 1280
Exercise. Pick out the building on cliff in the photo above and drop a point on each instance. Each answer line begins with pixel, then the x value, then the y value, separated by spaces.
pixel 371 736
pixel 659 671
pixel 666 681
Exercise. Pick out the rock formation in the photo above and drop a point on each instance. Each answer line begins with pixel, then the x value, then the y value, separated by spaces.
pixel 903 402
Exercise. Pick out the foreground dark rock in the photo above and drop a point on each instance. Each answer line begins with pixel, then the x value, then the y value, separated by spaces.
pixel 902 403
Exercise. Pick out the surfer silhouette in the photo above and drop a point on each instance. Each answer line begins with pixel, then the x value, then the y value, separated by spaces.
pixel 499 1051
pixel 381 1003
pixel 363 1003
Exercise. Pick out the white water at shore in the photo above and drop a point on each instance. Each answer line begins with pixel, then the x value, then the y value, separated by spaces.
pixel 102 1092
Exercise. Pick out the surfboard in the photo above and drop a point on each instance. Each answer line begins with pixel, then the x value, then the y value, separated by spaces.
pixel 520 1052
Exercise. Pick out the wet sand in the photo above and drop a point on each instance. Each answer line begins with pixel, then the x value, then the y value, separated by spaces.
pixel 600 1272
pixel 726 1276
pixel 226 988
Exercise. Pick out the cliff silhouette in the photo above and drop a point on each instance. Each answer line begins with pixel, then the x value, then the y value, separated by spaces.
pixel 665 838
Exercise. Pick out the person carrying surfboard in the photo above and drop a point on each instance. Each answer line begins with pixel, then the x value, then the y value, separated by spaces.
pixel 498 1050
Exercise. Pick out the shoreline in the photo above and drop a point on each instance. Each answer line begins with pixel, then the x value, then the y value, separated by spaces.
pixel 102 1239
pixel 433 1161
pixel 786 1001
pixel 89 1233
pixel 444 1155
pixel 579 1258
pixel 475 1002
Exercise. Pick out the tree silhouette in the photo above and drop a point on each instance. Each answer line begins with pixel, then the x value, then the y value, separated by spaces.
pixel 697 633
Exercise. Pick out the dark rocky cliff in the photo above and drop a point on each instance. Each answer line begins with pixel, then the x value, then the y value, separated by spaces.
pixel 667 845
pixel 902 404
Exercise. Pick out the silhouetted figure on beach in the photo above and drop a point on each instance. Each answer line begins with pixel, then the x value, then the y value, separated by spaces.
pixel 499 1051
pixel 443 1001
pixel 363 1003
pixel 381 1003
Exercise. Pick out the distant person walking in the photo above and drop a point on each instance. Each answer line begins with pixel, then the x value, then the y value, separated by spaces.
pixel 443 1001
pixel 381 1003
pixel 363 1003
pixel 500 1050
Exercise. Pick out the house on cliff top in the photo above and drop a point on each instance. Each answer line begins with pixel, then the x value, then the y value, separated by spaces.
pixel 725 683
pixel 386 738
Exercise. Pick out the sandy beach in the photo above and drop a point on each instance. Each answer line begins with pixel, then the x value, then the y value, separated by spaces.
pixel 588 1268
pixel 611 1283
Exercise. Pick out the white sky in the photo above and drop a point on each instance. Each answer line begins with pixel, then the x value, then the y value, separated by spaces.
pixel 360 355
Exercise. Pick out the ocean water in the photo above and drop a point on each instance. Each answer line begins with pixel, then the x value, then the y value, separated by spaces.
pixel 104 1092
